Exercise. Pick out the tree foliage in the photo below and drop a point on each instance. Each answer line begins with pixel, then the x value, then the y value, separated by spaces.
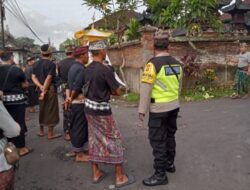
pixel 132 33
pixel 192 14
pixel 109 6
pixel 25 42
pixel 28 43
pixel 68 42
pixel 155 8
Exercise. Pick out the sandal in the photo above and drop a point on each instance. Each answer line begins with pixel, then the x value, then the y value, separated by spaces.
pixel 235 96
pixel 40 134
pixel 55 136
pixel 104 174
pixel 30 150
pixel 70 154
pixel 131 180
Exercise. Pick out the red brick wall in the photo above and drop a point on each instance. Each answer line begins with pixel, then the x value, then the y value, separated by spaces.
pixel 136 54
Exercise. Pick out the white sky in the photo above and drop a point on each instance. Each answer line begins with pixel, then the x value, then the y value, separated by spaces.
pixel 54 19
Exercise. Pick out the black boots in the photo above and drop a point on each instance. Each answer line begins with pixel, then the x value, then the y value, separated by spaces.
pixel 159 178
pixel 170 168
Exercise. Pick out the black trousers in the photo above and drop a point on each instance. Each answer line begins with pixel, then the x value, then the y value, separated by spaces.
pixel 162 129
pixel 18 114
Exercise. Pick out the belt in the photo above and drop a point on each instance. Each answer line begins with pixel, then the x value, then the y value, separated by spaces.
pixel 78 101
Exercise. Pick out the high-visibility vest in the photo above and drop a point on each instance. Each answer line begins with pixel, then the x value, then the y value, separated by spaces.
pixel 167 84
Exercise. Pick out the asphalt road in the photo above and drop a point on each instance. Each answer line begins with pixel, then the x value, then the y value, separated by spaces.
pixel 213 152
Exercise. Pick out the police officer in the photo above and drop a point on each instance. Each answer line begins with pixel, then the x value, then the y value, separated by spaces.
pixel 160 87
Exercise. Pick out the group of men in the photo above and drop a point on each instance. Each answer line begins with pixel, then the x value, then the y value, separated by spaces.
pixel 88 120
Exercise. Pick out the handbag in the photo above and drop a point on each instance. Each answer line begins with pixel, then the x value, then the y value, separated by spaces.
pixel 11 154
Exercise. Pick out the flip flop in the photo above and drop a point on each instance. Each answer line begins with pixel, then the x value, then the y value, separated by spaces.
pixel 70 154
pixel 30 150
pixel 104 174
pixel 131 180
pixel 235 96
pixel 40 135
pixel 55 136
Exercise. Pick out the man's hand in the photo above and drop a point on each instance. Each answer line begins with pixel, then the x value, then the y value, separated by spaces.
pixel 141 116
pixel 141 120
pixel 41 88
pixel 67 104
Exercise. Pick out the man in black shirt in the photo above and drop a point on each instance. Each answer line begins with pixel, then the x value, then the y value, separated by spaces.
pixel 44 77
pixel 105 144
pixel 63 70
pixel 31 92
pixel 78 123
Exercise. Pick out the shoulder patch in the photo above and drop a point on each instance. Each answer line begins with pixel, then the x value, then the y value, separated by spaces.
pixel 149 74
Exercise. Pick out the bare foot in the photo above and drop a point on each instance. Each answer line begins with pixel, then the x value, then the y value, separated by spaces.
pixel 80 157
pixel 40 134
pixel 66 137
pixel 121 179
pixel 96 177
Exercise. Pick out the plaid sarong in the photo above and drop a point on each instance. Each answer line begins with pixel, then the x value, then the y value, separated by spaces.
pixel 105 141
pixel 7 180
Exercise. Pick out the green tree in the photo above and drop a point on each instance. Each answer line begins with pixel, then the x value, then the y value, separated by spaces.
pixel 132 33
pixel 192 14
pixel 68 42
pixel 155 8
pixel 27 43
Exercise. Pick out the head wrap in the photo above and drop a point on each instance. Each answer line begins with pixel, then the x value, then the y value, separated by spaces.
pixel 69 49
pixel 5 55
pixel 81 50
pixel 99 45
pixel 243 44
pixel 30 58
pixel 46 49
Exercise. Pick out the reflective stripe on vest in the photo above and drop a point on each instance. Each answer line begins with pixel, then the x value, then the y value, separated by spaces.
pixel 166 87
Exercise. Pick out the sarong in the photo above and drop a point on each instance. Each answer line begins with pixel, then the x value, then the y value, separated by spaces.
pixel 49 109
pixel 242 82
pixel 105 140
pixel 66 114
pixel 78 127
pixel 7 180
pixel 32 94
pixel 17 112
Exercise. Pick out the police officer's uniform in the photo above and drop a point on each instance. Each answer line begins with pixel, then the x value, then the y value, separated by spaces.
pixel 163 73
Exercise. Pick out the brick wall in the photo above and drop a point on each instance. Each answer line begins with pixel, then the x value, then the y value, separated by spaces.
pixel 220 53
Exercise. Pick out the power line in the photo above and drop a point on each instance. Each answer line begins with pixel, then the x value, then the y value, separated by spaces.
pixel 19 15
pixel 18 18
pixel 15 10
